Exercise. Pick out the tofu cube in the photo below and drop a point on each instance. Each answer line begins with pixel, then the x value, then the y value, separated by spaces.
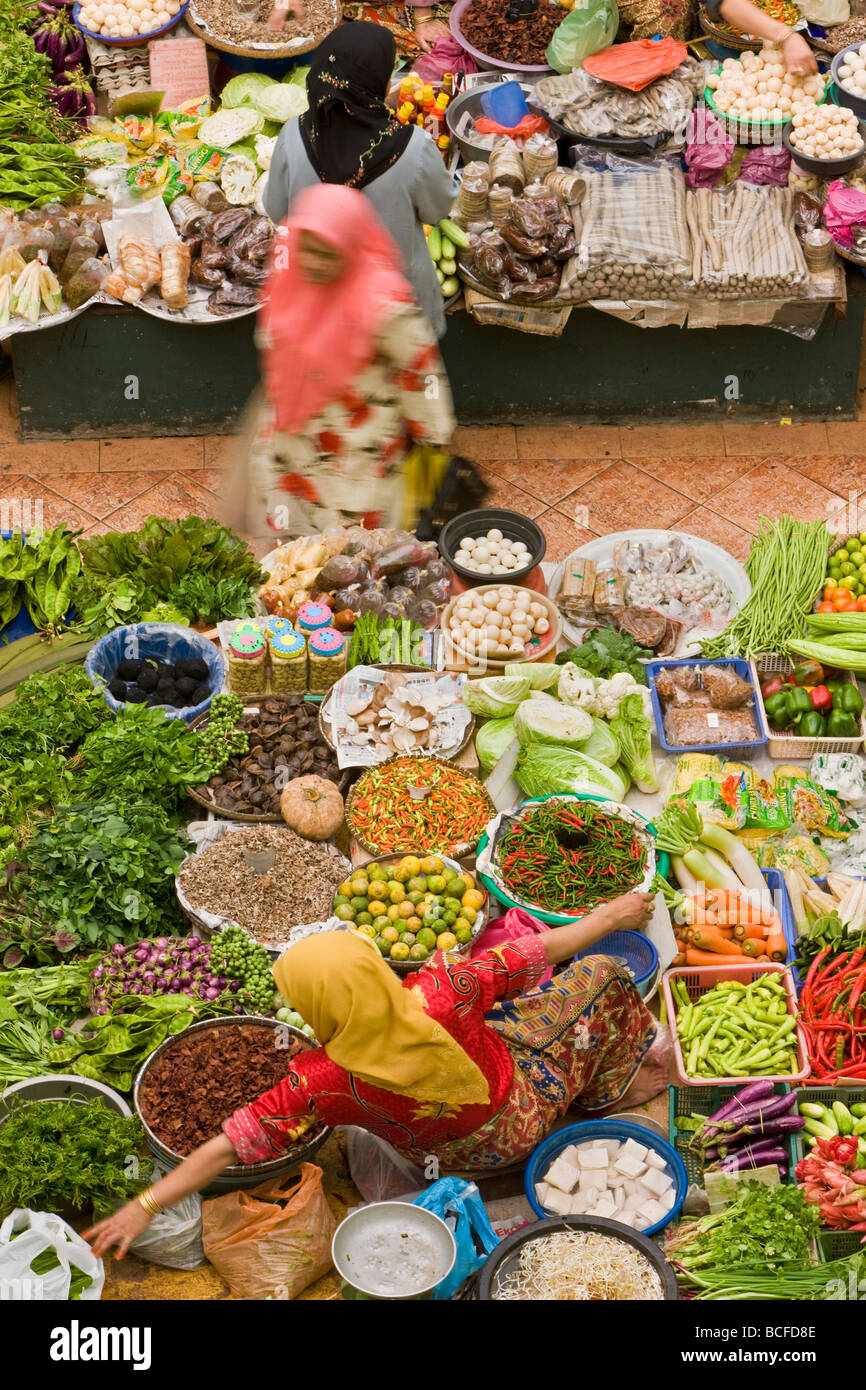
pixel 640 1221
pixel 616 1180
pixel 653 1212
pixel 592 1158
pixel 604 1206
pixel 580 1203
pixel 558 1202
pixel 625 1218
pixel 562 1174
pixel 656 1181
pixel 636 1150
pixel 634 1201
pixel 618 1198
pixel 627 1163
pixel 541 1193
pixel 613 1146
pixel 667 1200
pixel 630 1185
pixel 655 1160
pixel 593 1178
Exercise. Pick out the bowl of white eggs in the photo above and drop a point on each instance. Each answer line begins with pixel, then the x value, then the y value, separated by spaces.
pixel 756 97
pixel 127 21
pixel 828 140
pixel 491 542
pixel 848 71
pixel 497 623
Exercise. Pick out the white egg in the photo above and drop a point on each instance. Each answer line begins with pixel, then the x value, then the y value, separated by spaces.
pixel 505 544
pixel 542 625
pixel 481 551
pixel 468 543
pixel 494 535
pixel 520 630
pixel 462 557
pixel 520 548
pixel 485 569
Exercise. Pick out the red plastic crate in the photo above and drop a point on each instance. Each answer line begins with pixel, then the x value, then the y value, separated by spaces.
pixel 700 979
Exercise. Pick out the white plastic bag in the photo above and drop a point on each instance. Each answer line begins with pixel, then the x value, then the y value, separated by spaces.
pixel 26 1234
pixel 173 1238
pixel 378 1171
pixel 825 12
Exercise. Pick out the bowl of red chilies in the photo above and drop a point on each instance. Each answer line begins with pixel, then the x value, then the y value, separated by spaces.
pixel 833 1016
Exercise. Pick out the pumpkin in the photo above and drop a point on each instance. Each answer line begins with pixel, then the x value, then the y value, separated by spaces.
pixel 312 807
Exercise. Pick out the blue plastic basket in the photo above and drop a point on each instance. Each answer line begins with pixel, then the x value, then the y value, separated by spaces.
pixel 541 1158
pixel 167 642
pixel 638 952
pixel 737 751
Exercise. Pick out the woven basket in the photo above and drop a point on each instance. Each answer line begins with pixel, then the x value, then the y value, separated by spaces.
pixel 324 713
pixel 274 52
pixel 458 851
pixel 787 747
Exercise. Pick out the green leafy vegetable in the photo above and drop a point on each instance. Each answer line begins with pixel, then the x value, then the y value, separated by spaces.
pixel 767 1226
pixel 605 651
pixel 55 1152
pixel 633 733
pixel 601 743
pixel 243 89
pixel 545 768
pixel 547 721
pixel 542 675
pixel 139 756
pixel 50 714
pixel 492 739
pixel 496 697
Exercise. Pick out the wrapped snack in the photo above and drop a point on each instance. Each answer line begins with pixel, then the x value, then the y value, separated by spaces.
pixel 211 196
pixel 506 166
pixel 809 805
pixel 403 551
pixel 609 594
pixel 226 223
pixel 65 232
pixel 138 133
pixel 139 261
pixel 646 627
pixel 187 215
pixel 726 689
pixel 574 599
pixel 175 261
pixel 85 283
pixel 81 249
pixel 691 726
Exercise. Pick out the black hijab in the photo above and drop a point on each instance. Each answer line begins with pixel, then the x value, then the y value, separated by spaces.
pixel 349 134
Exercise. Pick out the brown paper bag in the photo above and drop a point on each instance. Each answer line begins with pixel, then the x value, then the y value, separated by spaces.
pixel 270 1248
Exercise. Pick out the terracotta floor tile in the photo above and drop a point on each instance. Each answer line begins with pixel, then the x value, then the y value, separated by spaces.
pixel 149 455
pixel 549 479
pixel 505 494
pixel 697 441
pixel 563 536
pixel 55 509
pixel 846 436
pixel 771 489
pixel 712 527
pixel 698 478
pixel 102 493
pixel 772 440
pixel 485 441
pixel 843 474
pixel 211 478
pixel 568 442
pixel 217 450
pixel 621 497
pixel 174 497
pixel 44 458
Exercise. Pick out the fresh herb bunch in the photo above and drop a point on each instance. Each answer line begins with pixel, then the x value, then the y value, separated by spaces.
pixel 36 165
pixel 29 789
pixel 101 872
pixel 199 567
pixel 55 1152
pixel 769 1227
pixel 139 756
pixel 604 651
pixel 50 714
pixel 221 740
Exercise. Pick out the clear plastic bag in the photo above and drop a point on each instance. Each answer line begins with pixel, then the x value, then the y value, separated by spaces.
pixel 634 241
pixel 744 242
pixel 173 1238
pixel 378 1171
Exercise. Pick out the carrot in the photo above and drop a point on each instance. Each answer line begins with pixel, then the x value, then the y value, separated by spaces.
pixel 743 932
pixel 777 946
pixel 752 948
pixel 707 940
pixel 695 957
pixel 728 906
pixel 679 958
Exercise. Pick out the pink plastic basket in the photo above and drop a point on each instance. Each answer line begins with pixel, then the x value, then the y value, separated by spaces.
pixel 700 979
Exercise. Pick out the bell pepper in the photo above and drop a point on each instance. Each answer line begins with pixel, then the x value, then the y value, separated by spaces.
pixel 849 699
pixel 799 703
pixel 772 686
pixel 808 673
pixel 841 724
pixel 777 709
pixel 834 685
pixel 813 725
pixel 822 699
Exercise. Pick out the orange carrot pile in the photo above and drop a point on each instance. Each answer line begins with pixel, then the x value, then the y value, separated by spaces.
pixel 727 924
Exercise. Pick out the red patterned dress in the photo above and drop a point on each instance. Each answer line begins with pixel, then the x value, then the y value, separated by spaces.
pixel 583 1034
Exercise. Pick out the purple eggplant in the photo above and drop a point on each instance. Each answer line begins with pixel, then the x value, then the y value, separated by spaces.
pixel 759 1111
pixel 774 1130
pixel 752 1158
pixel 754 1091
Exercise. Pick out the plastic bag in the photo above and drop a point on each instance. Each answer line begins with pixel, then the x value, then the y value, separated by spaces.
pixel 516 922
pixel 591 25
pixel 270 1248
pixel 844 207
pixel 25 1236
pixel 173 1238
pixel 634 240
pixel 378 1171
pixel 825 12
pixel 766 165
pixel 459 1205
pixel 635 65
pixel 708 149
pixel 446 55
pixel 720 219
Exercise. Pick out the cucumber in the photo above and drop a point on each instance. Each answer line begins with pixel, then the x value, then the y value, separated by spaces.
pixel 434 244
pixel 450 287
pixel 448 267
pixel 454 233
pixel 449 251
pixel 440 276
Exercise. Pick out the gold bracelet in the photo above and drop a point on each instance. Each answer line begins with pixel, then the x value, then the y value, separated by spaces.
pixel 149 1202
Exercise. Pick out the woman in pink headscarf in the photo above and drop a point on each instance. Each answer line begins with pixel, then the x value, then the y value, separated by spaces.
pixel 352 373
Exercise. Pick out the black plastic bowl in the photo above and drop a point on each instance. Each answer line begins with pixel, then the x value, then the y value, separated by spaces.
pixel 507 1253
pixel 843 96
pixel 512 525
pixel 826 168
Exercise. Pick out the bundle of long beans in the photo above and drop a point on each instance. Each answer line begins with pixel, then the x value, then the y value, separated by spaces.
pixel 786 565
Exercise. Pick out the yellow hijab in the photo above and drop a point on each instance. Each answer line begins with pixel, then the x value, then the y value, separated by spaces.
pixel 373 1027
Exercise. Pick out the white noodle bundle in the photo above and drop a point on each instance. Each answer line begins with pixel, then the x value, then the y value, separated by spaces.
pixel 581 1266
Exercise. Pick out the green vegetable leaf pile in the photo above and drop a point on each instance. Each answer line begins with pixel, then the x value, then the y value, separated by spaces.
pixel 139 756
pixel 50 714
pixel 765 1226
pixel 200 568
pixel 604 652
pixel 54 1153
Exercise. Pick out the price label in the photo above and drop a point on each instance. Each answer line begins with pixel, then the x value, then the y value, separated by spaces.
pixel 713 721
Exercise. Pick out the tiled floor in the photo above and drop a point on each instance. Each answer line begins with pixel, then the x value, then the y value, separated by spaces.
pixel 580 481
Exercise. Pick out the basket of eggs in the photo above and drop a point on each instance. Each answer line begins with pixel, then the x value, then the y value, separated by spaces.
pixel 755 97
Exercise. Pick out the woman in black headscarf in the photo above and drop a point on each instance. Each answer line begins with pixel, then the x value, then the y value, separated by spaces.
pixel 349 136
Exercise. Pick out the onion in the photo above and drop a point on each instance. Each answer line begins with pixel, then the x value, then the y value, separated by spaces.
pixel 97 973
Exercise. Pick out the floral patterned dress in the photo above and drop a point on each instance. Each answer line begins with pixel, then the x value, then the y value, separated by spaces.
pixel 345 465
pixel 583 1034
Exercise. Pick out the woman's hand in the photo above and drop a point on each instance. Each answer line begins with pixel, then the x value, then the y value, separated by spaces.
pixel 120 1229
pixel 429 31
pixel 281 12
pixel 799 58
pixel 630 912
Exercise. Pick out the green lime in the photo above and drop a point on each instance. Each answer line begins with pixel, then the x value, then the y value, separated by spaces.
pixel 399 951
pixel 839 555
pixel 419 952
pixel 463 934
pixel 452 904
pixel 384 946
pixel 380 923
pixel 417 884
pixel 364 919
pixel 847 567
pixel 359 904
pixel 344 912
pixel 853 544
pixel 416 897
pixel 340 901
pixel 857 557
pixel 377 873
pixel 425 937
pixel 848 582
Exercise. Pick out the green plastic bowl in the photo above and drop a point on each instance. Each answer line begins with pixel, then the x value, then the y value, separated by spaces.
pixel 752 132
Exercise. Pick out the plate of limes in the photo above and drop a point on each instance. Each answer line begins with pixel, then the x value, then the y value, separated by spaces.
pixel 413 905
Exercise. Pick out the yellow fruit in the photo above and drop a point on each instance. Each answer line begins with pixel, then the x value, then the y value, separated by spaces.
pixel 413 924
pixel 390 933
pixel 466 879
pixel 469 914
pixel 418 952
pixel 377 908
pixel 346 890
pixel 446 941
pixel 393 912
pixel 462 925
pixel 369 930
pixel 360 885
pixel 396 893
pixel 436 884
pixel 411 864
pixel 406 909
pixel 473 898
pixel 399 951
pixel 431 865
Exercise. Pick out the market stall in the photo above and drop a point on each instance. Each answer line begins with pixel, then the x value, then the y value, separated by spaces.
pixel 673 201
pixel 206 764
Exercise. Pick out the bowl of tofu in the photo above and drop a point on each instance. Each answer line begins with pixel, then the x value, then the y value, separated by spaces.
pixel 610 1169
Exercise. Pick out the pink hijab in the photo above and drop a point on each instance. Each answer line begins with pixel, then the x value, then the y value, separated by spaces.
pixel 320 337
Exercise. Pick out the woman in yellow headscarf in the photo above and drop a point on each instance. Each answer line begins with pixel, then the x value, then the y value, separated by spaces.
pixel 470 1061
